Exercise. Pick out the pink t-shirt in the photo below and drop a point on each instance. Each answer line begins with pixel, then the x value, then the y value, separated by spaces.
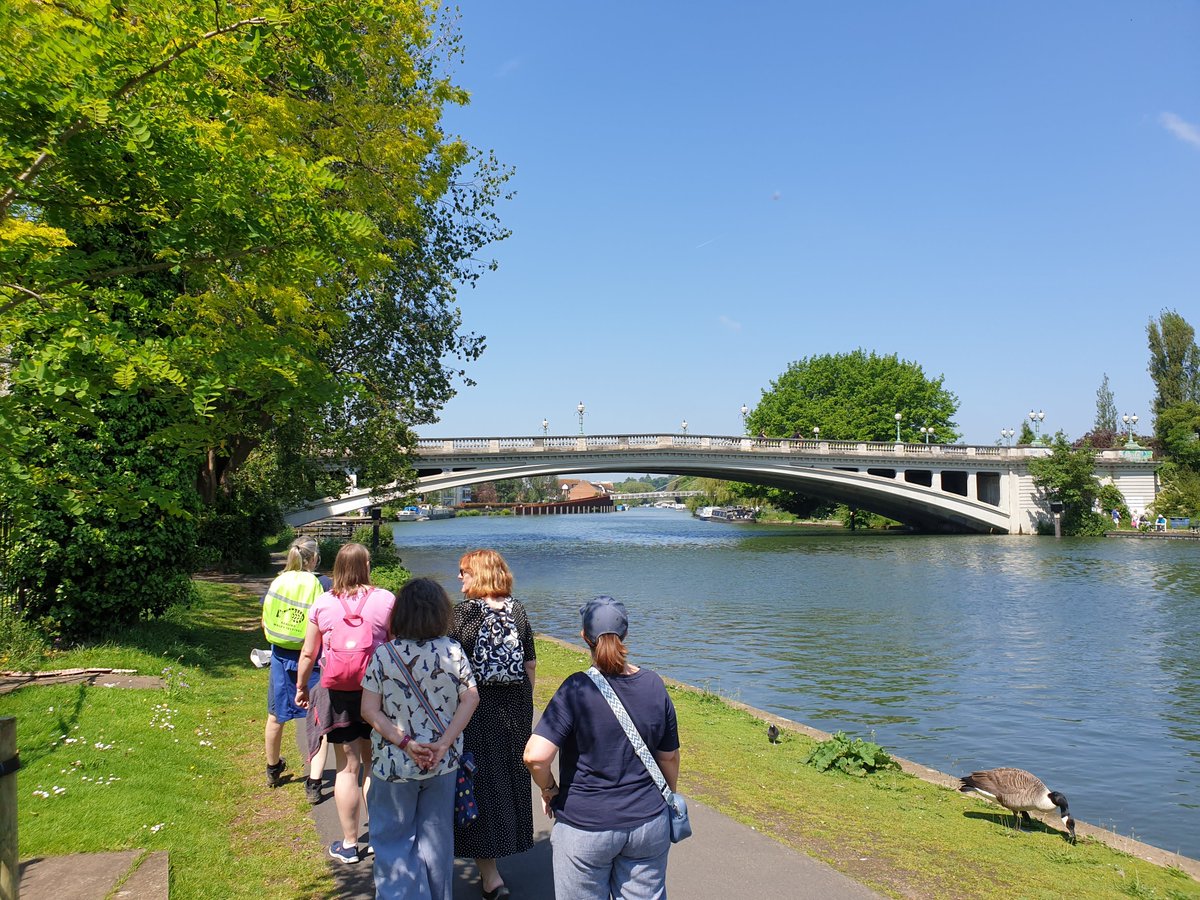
pixel 327 609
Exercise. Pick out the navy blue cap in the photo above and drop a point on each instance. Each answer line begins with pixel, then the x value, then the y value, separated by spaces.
pixel 604 615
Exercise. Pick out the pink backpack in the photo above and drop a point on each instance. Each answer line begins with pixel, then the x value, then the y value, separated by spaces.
pixel 348 648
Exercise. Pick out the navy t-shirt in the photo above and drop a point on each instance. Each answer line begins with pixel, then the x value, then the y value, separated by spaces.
pixel 603 782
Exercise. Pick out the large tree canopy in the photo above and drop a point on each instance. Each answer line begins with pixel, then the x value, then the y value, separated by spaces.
pixel 243 217
pixel 1174 361
pixel 1068 476
pixel 855 397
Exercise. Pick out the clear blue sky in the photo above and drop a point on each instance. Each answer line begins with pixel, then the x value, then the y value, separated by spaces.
pixel 1005 194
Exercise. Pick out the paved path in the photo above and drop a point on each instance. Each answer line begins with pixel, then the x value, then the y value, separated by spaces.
pixel 722 858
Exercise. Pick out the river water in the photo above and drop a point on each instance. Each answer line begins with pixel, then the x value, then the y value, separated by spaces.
pixel 1077 659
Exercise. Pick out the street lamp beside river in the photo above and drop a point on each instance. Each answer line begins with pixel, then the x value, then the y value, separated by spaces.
pixel 899 416
pixel 579 409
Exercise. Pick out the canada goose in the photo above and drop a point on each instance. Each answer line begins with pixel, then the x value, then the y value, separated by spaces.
pixel 773 733
pixel 1018 791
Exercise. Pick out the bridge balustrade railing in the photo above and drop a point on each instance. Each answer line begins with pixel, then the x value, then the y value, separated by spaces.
pixel 518 443
pixel 644 440
pixel 726 443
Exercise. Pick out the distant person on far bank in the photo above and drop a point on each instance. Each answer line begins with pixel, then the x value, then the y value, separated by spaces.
pixel 496 636
pixel 611 830
pixel 1160 524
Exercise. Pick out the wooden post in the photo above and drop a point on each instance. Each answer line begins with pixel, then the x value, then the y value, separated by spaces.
pixel 10 878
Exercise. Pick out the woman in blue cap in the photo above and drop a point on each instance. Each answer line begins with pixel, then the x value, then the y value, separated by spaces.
pixel 611 832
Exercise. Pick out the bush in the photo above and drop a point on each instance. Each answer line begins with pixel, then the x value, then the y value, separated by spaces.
pixel 390 578
pixel 232 534
pixel 278 543
pixel 854 757
pixel 117 543
pixel 22 646
pixel 386 553
pixel 329 548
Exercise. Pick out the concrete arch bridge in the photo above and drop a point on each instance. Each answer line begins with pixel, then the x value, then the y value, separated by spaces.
pixel 931 487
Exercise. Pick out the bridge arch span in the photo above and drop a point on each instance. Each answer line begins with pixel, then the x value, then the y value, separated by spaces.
pixel 912 504
pixel 934 487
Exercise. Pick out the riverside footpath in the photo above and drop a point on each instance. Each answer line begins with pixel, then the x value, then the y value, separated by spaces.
pixel 723 858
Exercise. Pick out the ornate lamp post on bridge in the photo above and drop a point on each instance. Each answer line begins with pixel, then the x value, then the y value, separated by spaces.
pixel 745 412
pixel 816 432
pixel 1037 418
pixel 927 433
pixel 1007 435
pixel 683 425
pixel 545 426
pixel 899 416
pixel 1129 421
pixel 579 409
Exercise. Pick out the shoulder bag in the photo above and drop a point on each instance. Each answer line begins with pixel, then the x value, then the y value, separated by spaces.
pixel 466 810
pixel 681 825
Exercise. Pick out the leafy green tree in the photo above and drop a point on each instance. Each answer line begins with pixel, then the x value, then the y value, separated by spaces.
pixel 1178 429
pixel 1179 491
pixel 1026 435
pixel 1174 362
pixel 1068 476
pixel 241 222
pixel 855 396
pixel 1106 408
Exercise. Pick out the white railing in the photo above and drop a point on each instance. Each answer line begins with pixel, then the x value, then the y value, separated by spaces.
pixel 734 444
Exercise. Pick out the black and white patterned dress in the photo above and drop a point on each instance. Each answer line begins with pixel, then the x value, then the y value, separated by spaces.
pixel 497 734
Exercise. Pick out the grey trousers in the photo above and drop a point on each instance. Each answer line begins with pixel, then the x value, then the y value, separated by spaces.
pixel 624 863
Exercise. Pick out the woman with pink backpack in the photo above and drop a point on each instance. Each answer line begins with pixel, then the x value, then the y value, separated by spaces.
pixel 345 625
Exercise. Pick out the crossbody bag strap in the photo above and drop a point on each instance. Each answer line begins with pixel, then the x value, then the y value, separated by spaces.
pixel 426 705
pixel 639 745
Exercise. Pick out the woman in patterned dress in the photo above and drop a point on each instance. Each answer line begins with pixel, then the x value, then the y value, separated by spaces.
pixel 415 759
pixel 496 637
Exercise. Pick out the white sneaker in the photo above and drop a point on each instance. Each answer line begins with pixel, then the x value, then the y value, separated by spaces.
pixel 260 658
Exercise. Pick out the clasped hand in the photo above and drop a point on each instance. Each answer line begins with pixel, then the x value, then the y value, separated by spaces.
pixel 425 755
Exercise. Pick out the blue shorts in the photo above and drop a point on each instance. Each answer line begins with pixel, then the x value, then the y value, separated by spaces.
pixel 281 690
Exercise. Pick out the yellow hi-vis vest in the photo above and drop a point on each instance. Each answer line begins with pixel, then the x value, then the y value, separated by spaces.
pixel 285 608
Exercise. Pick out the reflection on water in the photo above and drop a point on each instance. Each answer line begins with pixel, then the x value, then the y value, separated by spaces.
pixel 1076 659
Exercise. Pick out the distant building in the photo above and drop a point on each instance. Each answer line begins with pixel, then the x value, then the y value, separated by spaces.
pixel 578 489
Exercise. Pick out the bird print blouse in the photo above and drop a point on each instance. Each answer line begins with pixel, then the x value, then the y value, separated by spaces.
pixel 443 672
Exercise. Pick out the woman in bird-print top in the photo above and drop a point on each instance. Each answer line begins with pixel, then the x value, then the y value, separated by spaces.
pixel 415 761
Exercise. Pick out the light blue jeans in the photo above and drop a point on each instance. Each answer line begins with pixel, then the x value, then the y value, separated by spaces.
pixel 624 863
pixel 412 834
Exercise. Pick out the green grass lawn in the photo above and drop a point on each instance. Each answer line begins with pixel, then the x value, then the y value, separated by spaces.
pixel 181 769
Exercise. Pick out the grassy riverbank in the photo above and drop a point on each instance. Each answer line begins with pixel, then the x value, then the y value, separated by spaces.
pixel 180 769
pixel 896 833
